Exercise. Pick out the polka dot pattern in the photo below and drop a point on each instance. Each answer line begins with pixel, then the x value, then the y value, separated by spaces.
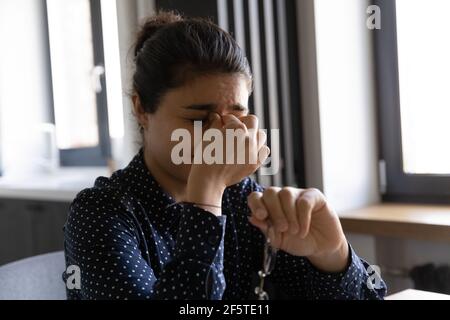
pixel 132 241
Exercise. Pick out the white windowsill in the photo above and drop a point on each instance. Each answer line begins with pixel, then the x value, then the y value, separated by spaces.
pixel 61 186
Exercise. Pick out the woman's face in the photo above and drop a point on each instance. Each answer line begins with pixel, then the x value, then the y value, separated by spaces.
pixel 180 107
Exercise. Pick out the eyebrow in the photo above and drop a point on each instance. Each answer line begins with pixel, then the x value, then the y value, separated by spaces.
pixel 212 107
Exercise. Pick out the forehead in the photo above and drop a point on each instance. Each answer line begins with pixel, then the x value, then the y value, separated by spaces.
pixel 218 89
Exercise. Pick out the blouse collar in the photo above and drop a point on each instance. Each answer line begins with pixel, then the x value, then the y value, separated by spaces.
pixel 141 181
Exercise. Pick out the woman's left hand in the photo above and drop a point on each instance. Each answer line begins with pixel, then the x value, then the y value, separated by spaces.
pixel 303 224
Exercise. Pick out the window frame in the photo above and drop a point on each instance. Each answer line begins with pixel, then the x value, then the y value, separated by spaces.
pixel 91 156
pixel 396 185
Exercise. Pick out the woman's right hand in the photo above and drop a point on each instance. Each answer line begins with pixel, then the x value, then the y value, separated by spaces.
pixel 207 182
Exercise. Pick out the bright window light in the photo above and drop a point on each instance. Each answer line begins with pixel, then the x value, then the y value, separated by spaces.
pixel 112 63
pixel 72 61
pixel 424 76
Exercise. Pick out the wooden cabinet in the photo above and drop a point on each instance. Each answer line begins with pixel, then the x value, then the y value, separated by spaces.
pixel 28 228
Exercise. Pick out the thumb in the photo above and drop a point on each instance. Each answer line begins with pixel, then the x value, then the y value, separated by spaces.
pixel 257 206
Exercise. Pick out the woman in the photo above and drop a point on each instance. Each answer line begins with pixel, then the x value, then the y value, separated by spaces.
pixel 160 230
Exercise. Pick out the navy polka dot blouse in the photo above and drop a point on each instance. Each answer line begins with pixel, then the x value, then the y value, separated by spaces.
pixel 131 240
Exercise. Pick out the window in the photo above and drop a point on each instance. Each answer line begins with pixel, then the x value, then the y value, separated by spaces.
pixel 79 110
pixel 424 104
pixel 414 105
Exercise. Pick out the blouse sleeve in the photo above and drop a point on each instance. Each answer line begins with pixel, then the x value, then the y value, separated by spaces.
pixel 101 240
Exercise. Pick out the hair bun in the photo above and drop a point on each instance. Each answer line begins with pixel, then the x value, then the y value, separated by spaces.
pixel 152 25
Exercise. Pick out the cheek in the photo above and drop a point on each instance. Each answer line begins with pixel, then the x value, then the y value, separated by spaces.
pixel 159 137
pixel 161 146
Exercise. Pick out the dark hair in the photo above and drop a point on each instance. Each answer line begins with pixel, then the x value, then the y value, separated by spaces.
pixel 171 50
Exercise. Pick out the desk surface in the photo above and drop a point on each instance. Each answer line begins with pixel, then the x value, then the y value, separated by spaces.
pixel 406 213
pixel 423 222
pixel 412 294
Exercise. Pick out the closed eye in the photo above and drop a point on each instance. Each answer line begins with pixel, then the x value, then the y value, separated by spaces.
pixel 239 108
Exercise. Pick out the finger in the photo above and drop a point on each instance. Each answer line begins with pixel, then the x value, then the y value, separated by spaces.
pixel 236 138
pixel 305 205
pixel 256 205
pixel 251 121
pixel 215 121
pixel 231 122
pixel 273 205
pixel 260 224
pixel 318 198
pixel 251 144
pixel 287 199
pixel 276 238
pixel 309 202
pixel 271 234
pixel 262 138
pixel 263 154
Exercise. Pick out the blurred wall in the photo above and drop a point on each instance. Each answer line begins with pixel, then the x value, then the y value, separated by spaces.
pixel 25 94
pixel 129 14
pixel 347 103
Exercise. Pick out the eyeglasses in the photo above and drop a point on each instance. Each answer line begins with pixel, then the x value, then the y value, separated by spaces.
pixel 270 254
